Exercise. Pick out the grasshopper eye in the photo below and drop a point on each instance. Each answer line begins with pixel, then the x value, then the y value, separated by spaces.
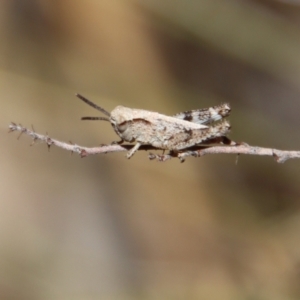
pixel 122 126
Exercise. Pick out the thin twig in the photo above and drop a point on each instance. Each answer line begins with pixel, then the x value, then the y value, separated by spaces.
pixel 82 151
pixel 197 151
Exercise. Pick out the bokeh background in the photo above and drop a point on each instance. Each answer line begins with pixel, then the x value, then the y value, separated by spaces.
pixel 104 227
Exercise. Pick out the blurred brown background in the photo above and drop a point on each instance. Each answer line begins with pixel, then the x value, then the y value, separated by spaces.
pixel 104 227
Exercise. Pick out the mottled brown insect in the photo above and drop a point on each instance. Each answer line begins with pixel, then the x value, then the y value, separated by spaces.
pixel 175 133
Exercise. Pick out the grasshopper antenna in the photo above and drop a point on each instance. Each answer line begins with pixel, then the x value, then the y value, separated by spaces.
pixel 90 103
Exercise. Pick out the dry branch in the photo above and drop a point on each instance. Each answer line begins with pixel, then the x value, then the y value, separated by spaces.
pixel 196 151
